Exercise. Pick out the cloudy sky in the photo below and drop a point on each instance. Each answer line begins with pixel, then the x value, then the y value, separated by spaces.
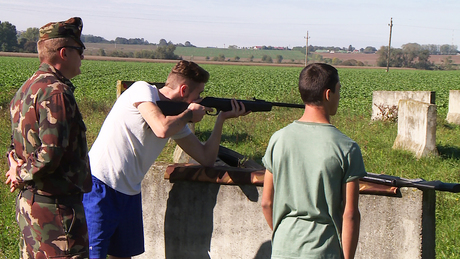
pixel 214 23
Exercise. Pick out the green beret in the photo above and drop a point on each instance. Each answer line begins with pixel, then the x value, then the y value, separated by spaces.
pixel 65 29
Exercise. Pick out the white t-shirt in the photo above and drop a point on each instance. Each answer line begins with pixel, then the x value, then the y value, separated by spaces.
pixel 126 147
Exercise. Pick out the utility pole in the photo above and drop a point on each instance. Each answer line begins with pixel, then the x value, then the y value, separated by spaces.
pixel 389 44
pixel 306 50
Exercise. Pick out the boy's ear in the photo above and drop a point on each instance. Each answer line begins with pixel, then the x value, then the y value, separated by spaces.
pixel 327 94
pixel 183 90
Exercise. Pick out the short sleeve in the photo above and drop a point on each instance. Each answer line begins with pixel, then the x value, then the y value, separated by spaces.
pixel 267 160
pixel 356 167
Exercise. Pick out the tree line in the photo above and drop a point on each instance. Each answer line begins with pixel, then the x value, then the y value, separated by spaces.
pixel 26 41
pixel 414 55
pixel 12 41
pixel 131 41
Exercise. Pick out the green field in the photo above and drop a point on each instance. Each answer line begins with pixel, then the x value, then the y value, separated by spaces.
pixel 244 54
pixel 201 53
pixel 249 135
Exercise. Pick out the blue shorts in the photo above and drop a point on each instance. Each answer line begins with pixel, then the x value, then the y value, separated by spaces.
pixel 114 222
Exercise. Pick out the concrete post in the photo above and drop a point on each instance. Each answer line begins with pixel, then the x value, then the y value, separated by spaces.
pixel 385 103
pixel 453 116
pixel 416 128
pixel 393 227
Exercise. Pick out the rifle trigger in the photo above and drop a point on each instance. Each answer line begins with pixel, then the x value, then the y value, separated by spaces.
pixel 213 114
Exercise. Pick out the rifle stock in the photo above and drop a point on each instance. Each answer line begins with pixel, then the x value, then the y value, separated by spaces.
pixel 223 104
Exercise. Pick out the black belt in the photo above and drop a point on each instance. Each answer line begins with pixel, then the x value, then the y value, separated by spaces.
pixel 56 199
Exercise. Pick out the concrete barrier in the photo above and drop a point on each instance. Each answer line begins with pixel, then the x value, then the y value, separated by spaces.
pixel 453 115
pixel 385 103
pixel 393 227
pixel 416 128
pixel 202 220
pixel 190 219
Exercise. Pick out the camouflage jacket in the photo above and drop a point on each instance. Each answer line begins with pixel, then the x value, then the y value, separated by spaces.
pixel 49 135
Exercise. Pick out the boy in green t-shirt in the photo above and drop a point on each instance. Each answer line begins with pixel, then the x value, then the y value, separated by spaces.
pixel 311 187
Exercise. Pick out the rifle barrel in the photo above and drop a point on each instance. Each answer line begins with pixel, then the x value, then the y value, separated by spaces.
pixel 289 105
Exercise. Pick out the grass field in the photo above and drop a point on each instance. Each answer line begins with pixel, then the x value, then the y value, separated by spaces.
pixel 201 53
pixel 249 135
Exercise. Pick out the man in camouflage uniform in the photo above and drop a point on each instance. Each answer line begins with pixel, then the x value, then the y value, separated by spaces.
pixel 49 156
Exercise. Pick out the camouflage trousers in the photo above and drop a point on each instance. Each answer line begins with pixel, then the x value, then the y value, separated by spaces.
pixel 51 230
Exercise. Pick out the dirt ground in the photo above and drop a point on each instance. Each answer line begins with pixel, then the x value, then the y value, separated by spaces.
pixel 367 59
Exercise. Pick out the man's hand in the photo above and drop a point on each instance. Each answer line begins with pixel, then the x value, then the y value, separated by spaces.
pixel 238 109
pixel 198 111
pixel 12 177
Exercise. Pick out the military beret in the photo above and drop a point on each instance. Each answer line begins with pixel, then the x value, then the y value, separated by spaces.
pixel 65 29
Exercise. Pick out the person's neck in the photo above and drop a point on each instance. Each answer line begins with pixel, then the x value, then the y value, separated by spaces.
pixel 63 67
pixel 166 94
pixel 316 114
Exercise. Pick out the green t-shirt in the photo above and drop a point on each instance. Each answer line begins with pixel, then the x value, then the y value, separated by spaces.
pixel 310 162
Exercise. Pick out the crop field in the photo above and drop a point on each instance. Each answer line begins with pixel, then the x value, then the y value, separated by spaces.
pixel 249 135
pixel 201 53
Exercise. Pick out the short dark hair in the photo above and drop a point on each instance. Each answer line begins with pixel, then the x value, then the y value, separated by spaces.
pixel 190 70
pixel 314 80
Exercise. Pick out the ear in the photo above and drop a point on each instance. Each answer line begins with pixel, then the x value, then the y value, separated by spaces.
pixel 183 90
pixel 327 94
pixel 63 53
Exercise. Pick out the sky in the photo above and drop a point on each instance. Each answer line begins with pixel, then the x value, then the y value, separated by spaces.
pixel 246 23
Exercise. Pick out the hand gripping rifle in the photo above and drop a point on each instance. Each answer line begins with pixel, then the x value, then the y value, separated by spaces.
pixel 223 104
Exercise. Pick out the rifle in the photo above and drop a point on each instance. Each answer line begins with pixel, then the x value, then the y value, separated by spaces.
pixel 417 183
pixel 223 104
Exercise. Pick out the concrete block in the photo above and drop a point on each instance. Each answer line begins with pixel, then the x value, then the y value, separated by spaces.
pixel 416 128
pixel 453 115
pixel 393 227
pixel 197 220
pixel 385 103
pixel 202 220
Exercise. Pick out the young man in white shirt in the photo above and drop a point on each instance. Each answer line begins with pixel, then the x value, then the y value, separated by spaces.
pixel 131 138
